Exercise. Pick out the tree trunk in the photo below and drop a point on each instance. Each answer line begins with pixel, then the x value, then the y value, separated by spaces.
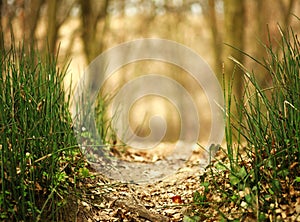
pixel 234 13
pixel 32 15
pixel 287 12
pixel 216 38
pixel 90 18
pixel 52 27
pixel 1 28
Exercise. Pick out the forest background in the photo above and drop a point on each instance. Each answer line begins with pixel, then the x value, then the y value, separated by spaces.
pixel 82 29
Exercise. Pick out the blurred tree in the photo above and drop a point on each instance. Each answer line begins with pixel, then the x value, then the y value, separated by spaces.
pixel 27 13
pixel 41 20
pixel 287 8
pixel 7 16
pixel 30 17
pixel 92 13
pixel 52 24
pixel 216 38
pixel 57 14
pixel 264 12
pixel 1 28
pixel 264 26
pixel 234 24
pixel 24 18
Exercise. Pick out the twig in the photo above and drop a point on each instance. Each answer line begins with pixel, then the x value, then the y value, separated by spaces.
pixel 140 210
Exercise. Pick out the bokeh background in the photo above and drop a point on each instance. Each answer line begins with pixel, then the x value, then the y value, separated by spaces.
pixel 81 29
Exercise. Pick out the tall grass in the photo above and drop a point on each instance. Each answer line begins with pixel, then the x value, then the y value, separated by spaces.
pixel 256 177
pixel 36 138
pixel 269 123
pixel 103 122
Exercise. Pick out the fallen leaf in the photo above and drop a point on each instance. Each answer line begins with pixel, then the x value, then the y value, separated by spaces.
pixel 177 199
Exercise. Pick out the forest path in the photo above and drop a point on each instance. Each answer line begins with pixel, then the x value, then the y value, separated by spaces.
pixel 166 200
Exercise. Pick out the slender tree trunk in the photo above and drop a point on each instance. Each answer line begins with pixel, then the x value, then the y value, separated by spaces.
pixel 88 27
pixel 287 12
pixel 1 28
pixel 32 15
pixel 52 27
pixel 216 38
pixel 234 12
pixel 90 18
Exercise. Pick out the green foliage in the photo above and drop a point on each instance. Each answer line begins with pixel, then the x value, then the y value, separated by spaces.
pixel 199 198
pixel 36 138
pixel 259 170
pixel 191 219
pixel 104 123
pixel 238 176
pixel 268 121
pixel 84 172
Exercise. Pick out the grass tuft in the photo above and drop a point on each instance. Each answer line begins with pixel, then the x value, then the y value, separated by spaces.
pixel 257 177
pixel 37 144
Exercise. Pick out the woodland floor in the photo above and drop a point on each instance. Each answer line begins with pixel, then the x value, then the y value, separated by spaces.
pixel 167 200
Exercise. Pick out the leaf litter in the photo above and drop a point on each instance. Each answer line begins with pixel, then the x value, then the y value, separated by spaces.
pixel 192 194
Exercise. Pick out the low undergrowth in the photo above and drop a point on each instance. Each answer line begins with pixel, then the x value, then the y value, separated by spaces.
pixel 256 178
pixel 38 152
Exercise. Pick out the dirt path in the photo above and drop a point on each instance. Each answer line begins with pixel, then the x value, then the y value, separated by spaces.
pixel 166 200
pixel 175 199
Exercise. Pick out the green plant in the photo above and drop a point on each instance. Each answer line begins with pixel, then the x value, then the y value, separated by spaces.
pixel 257 175
pixel 268 121
pixel 200 199
pixel 37 143
pixel 103 122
